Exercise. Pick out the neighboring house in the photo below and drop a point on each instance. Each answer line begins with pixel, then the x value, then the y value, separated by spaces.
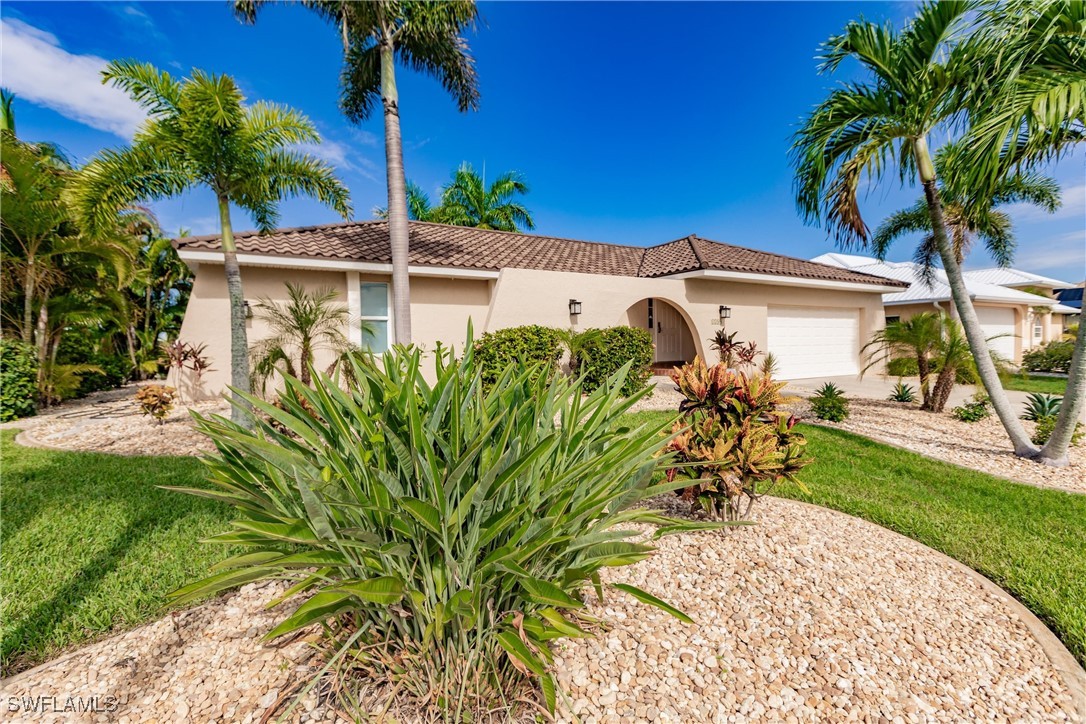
pixel 1072 298
pixel 1015 320
pixel 813 317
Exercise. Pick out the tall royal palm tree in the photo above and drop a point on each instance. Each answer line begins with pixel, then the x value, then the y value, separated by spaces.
pixel 468 201
pixel 426 36
pixel 200 133
pixel 967 220
pixel 863 130
pixel 1027 105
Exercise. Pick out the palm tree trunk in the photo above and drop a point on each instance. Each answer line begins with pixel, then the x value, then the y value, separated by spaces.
pixel 986 369
pixel 944 385
pixel 41 341
pixel 398 230
pixel 28 301
pixel 1055 450
pixel 239 344
pixel 924 369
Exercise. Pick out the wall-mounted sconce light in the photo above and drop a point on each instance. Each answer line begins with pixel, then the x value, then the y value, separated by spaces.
pixel 574 307
pixel 725 313
pixel 248 309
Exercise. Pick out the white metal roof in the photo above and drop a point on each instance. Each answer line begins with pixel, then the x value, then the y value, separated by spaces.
pixel 938 291
pixel 1015 278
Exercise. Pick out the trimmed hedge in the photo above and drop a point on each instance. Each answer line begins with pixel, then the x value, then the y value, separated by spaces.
pixel 602 352
pixel 18 380
pixel 531 343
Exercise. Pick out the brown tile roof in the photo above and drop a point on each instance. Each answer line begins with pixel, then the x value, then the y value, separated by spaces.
pixel 463 247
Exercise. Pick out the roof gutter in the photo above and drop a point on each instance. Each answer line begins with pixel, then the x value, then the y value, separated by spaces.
pixel 195 256
pixel 974 298
pixel 782 280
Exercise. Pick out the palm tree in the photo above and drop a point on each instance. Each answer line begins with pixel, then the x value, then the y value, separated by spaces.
pixel 426 36
pixel 419 207
pixel 306 324
pixel 1027 104
pixel 468 201
pixel 966 220
pixel 917 337
pixel 865 129
pixel 200 133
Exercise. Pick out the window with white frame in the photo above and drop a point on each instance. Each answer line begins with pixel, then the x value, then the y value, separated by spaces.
pixel 1038 332
pixel 375 316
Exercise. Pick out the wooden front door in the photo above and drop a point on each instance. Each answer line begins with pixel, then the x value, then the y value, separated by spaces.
pixel 667 332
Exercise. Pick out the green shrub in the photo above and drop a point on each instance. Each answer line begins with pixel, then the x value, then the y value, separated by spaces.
pixel 829 403
pixel 734 441
pixel 101 371
pixel 974 410
pixel 539 347
pixel 1047 425
pixel 1039 405
pixel 1054 356
pixel 902 393
pixel 18 380
pixel 907 367
pixel 446 531
pixel 603 352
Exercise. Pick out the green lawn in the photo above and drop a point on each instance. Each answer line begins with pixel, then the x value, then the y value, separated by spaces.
pixel 88 543
pixel 1030 541
pixel 1032 383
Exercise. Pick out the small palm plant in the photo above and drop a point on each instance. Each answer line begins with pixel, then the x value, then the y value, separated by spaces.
pixel 444 532
pixel 306 325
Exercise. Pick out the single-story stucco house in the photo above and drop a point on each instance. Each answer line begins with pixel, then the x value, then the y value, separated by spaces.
pixel 1014 319
pixel 813 317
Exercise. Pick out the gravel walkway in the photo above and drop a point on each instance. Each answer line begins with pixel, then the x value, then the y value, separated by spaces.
pixel 809 616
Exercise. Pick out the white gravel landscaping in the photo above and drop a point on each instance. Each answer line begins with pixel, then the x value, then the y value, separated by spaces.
pixel 810 615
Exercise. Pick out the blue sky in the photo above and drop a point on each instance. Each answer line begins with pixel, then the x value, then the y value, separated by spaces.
pixel 633 122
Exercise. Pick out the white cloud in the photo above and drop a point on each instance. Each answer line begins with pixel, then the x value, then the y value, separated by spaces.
pixel 1063 255
pixel 341 155
pixel 38 70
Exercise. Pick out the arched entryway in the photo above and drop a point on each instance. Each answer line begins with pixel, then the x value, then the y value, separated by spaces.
pixel 670 328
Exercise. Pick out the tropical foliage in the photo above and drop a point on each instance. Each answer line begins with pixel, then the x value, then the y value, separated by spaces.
pixel 937 348
pixel 910 92
pixel 973 410
pixel 18 379
pixel 156 401
pixel 966 218
pixel 902 393
pixel 1039 405
pixel 446 532
pixel 734 443
pixel 200 133
pixel 829 403
pixel 309 323
pixel 72 293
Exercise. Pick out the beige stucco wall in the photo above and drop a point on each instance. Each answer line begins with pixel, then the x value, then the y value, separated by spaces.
pixel 207 318
pixel 441 307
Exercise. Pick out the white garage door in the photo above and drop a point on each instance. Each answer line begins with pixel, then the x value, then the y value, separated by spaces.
pixel 814 341
pixel 998 322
